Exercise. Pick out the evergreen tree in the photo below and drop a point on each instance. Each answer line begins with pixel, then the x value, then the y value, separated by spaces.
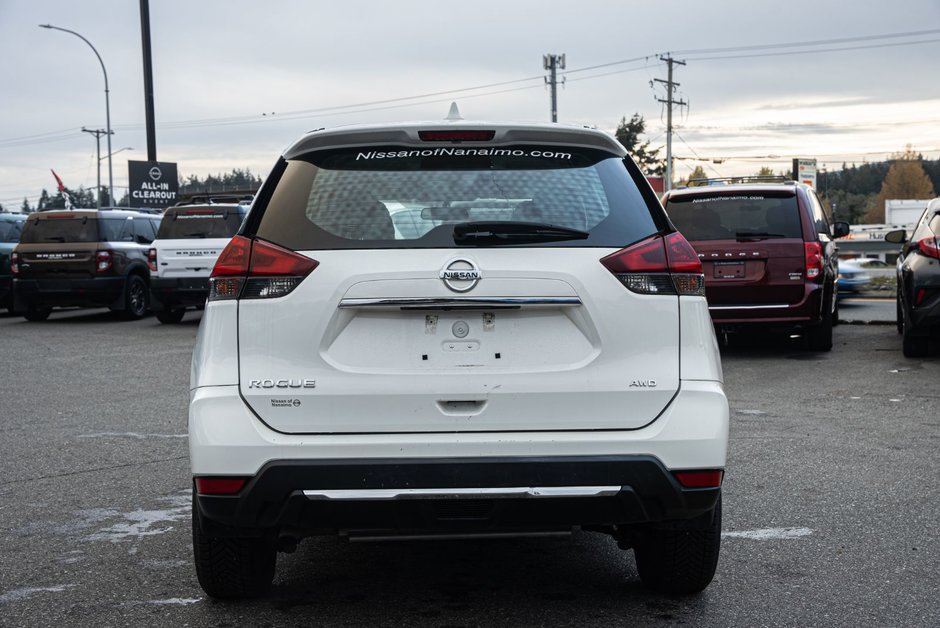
pixel 25 207
pixel 697 173
pixel 628 133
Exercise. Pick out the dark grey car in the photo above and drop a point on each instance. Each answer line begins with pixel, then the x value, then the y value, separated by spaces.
pixel 918 302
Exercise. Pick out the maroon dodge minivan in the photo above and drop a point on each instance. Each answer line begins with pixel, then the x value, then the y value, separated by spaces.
pixel 768 253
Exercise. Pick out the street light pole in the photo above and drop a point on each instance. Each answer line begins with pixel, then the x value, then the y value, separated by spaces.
pixel 107 106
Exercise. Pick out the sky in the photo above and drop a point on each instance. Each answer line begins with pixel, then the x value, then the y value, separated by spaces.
pixel 236 81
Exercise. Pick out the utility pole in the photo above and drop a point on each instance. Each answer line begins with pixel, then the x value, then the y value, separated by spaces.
pixel 148 80
pixel 553 63
pixel 669 101
pixel 98 133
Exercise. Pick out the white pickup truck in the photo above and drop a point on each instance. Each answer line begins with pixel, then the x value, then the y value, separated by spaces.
pixel 189 241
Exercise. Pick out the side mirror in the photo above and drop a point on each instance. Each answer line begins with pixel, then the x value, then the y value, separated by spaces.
pixel 896 237
pixel 840 229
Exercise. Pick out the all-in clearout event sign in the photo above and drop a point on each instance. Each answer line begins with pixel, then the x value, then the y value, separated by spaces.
pixel 152 183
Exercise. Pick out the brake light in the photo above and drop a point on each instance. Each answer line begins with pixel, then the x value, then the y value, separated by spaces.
pixel 928 246
pixel 152 260
pixel 814 261
pixel 659 265
pixel 456 136
pixel 14 263
pixel 255 269
pixel 220 486
pixel 710 478
pixel 103 261
pixel 919 296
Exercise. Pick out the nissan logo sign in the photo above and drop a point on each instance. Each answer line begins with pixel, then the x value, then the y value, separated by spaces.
pixel 155 173
pixel 461 275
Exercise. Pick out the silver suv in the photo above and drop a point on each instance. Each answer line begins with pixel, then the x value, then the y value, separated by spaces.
pixel 456 328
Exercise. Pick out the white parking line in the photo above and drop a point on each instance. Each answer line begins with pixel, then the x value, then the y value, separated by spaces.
pixel 26 592
pixel 768 534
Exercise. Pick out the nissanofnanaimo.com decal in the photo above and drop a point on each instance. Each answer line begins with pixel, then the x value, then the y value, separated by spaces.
pixel 461 152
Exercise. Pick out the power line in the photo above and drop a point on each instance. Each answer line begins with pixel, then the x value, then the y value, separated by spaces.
pixel 818 42
pixel 806 52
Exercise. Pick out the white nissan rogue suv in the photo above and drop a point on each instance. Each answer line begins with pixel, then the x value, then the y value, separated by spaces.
pixel 456 328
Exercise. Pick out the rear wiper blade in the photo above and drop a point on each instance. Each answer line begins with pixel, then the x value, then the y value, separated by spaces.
pixel 748 235
pixel 55 238
pixel 200 234
pixel 513 231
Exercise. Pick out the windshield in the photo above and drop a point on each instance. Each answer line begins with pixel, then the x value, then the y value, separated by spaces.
pixel 391 197
pixel 201 222
pixel 10 230
pixel 72 228
pixel 724 216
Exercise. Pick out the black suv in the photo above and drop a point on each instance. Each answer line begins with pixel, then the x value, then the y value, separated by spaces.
pixel 83 257
pixel 768 251
pixel 919 281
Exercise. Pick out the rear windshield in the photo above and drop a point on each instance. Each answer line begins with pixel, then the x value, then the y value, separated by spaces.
pixel 402 197
pixel 72 229
pixel 10 230
pixel 724 216
pixel 201 222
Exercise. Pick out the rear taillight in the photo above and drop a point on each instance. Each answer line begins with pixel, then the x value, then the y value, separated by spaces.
pixel 928 246
pixel 659 265
pixel 14 263
pixel 219 486
pixel 814 260
pixel 103 261
pixel 255 269
pixel 152 260
pixel 710 478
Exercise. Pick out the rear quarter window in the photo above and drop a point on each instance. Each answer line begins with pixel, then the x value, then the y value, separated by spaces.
pixel 407 197
pixel 720 216
pixel 10 230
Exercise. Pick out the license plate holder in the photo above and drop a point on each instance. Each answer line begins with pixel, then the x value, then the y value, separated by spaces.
pixel 728 270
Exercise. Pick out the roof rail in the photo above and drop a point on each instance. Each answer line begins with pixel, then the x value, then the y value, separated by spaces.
pixel 213 200
pixel 754 178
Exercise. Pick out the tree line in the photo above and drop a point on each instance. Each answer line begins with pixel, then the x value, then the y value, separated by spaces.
pixel 238 180
pixel 853 193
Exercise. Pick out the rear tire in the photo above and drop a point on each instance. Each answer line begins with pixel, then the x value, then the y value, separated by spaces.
pixel 679 561
pixel 171 317
pixel 36 314
pixel 230 568
pixel 820 336
pixel 914 346
pixel 135 298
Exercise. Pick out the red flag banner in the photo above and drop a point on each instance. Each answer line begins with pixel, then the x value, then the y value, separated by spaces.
pixel 68 199
pixel 58 180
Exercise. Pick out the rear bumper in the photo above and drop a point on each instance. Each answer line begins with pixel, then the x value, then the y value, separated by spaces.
pixel 226 439
pixel 94 292
pixel 325 497
pixel 805 313
pixel 166 294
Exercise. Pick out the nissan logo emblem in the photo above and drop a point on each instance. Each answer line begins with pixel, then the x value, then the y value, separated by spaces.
pixel 155 173
pixel 460 275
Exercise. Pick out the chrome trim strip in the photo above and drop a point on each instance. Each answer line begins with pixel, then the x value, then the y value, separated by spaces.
pixel 466 302
pixel 502 492
pixel 776 306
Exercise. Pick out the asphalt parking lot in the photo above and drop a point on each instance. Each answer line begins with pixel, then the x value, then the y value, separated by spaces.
pixel 831 503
